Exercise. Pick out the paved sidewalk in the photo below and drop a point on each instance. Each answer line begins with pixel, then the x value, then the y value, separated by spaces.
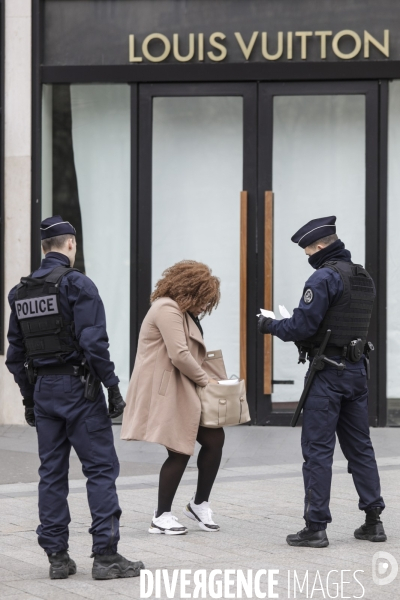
pixel 257 501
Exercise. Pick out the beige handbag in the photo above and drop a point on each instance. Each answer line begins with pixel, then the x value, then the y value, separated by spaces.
pixel 214 365
pixel 221 405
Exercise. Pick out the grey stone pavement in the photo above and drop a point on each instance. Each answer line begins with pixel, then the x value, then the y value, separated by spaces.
pixel 257 500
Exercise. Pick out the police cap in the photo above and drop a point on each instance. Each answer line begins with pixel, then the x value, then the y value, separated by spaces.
pixel 54 226
pixel 314 230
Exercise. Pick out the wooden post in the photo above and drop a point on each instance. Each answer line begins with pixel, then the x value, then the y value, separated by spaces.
pixel 268 285
pixel 243 284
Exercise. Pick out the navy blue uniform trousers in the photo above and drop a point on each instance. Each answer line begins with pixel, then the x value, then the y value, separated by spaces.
pixel 337 403
pixel 64 418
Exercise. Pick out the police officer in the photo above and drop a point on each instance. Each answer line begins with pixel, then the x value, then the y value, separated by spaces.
pixel 58 354
pixel 338 296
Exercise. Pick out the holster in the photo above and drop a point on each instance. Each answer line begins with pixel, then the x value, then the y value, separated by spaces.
pixel 355 350
pixel 92 386
pixel 30 372
pixel 369 347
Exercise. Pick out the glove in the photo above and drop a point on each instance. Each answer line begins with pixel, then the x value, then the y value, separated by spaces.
pixel 29 411
pixel 116 402
pixel 30 416
pixel 263 323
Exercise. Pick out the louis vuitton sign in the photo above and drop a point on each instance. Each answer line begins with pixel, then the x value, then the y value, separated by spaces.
pixel 345 45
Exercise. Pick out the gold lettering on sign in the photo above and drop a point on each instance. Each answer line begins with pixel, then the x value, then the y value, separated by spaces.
pixel 289 45
pixel 132 57
pixel 264 46
pixel 201 46
pixel 218 46
pixel 338 37
pixel 178 56
pixel 323 35
pixel 384 48
pixel 303 35
pixel 246 49
pixel 163 39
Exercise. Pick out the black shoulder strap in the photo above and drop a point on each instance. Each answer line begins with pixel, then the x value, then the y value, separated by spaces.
pixel 330 264
pixel 351 268
pixel 58 273
pixel 359 270
pixel 335 265
pixel 26 279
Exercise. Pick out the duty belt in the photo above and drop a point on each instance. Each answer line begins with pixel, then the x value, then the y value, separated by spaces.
pixel 92 383
pixel 330 351
pixel 74 370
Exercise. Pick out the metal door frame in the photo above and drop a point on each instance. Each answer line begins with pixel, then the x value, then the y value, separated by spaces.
pixel 142 283
pixel 376 140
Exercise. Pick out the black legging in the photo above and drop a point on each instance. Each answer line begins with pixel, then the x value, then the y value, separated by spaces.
pixel 208 461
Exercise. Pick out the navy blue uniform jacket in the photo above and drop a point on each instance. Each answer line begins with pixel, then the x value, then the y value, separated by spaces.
pixel 326 288
pixel 80 302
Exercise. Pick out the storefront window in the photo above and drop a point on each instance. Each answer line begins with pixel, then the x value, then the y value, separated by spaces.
pixel 197 179
pixel 2 66
pixel 86 178
pixel 318 170
pixel 393 265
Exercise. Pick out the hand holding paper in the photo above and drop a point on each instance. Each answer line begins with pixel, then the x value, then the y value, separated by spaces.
pixel 271 315
pixel 267 313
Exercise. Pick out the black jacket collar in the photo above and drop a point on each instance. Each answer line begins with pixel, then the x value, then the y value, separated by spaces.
pixel 335 251
pixel 54 259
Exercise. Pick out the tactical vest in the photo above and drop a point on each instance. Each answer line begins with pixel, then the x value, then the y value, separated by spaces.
pixel 349 317
pixel 37 305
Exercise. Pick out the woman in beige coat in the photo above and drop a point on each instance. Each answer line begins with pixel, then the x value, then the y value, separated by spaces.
pixel 162 405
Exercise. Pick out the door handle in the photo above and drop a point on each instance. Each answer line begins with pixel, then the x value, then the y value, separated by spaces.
pixel 243 283
pixel 268 283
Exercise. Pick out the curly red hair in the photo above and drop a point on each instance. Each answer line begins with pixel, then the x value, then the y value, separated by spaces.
pixel 191 284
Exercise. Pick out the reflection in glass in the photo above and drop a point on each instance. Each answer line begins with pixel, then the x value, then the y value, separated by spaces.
pixel 197 179
pixel 86 179
pixel 393 266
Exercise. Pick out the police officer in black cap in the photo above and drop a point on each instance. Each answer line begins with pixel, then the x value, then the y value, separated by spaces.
pixel 59 357
pixel 339 297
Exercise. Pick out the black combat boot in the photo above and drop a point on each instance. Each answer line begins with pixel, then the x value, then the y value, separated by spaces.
pixel 372 530
pixel 61 565
pixel 308 537
pixel 113 566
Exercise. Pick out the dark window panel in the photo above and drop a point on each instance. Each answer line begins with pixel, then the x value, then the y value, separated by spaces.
pixel 65 185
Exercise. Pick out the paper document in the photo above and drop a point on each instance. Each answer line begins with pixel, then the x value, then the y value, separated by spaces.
pixel 229 382
pixel 284 312
pixel 267 313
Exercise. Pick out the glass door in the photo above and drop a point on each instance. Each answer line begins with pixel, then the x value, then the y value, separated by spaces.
pixel 226 182
pixel 197 201
pixel 317 157
pixel 86 171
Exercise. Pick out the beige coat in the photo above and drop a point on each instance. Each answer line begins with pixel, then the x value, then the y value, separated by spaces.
pixel 162 405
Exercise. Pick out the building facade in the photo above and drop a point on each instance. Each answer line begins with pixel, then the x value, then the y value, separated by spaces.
pixel 208 130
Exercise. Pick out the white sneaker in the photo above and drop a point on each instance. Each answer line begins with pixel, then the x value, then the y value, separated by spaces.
pixel 201 513
pixel 168 524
